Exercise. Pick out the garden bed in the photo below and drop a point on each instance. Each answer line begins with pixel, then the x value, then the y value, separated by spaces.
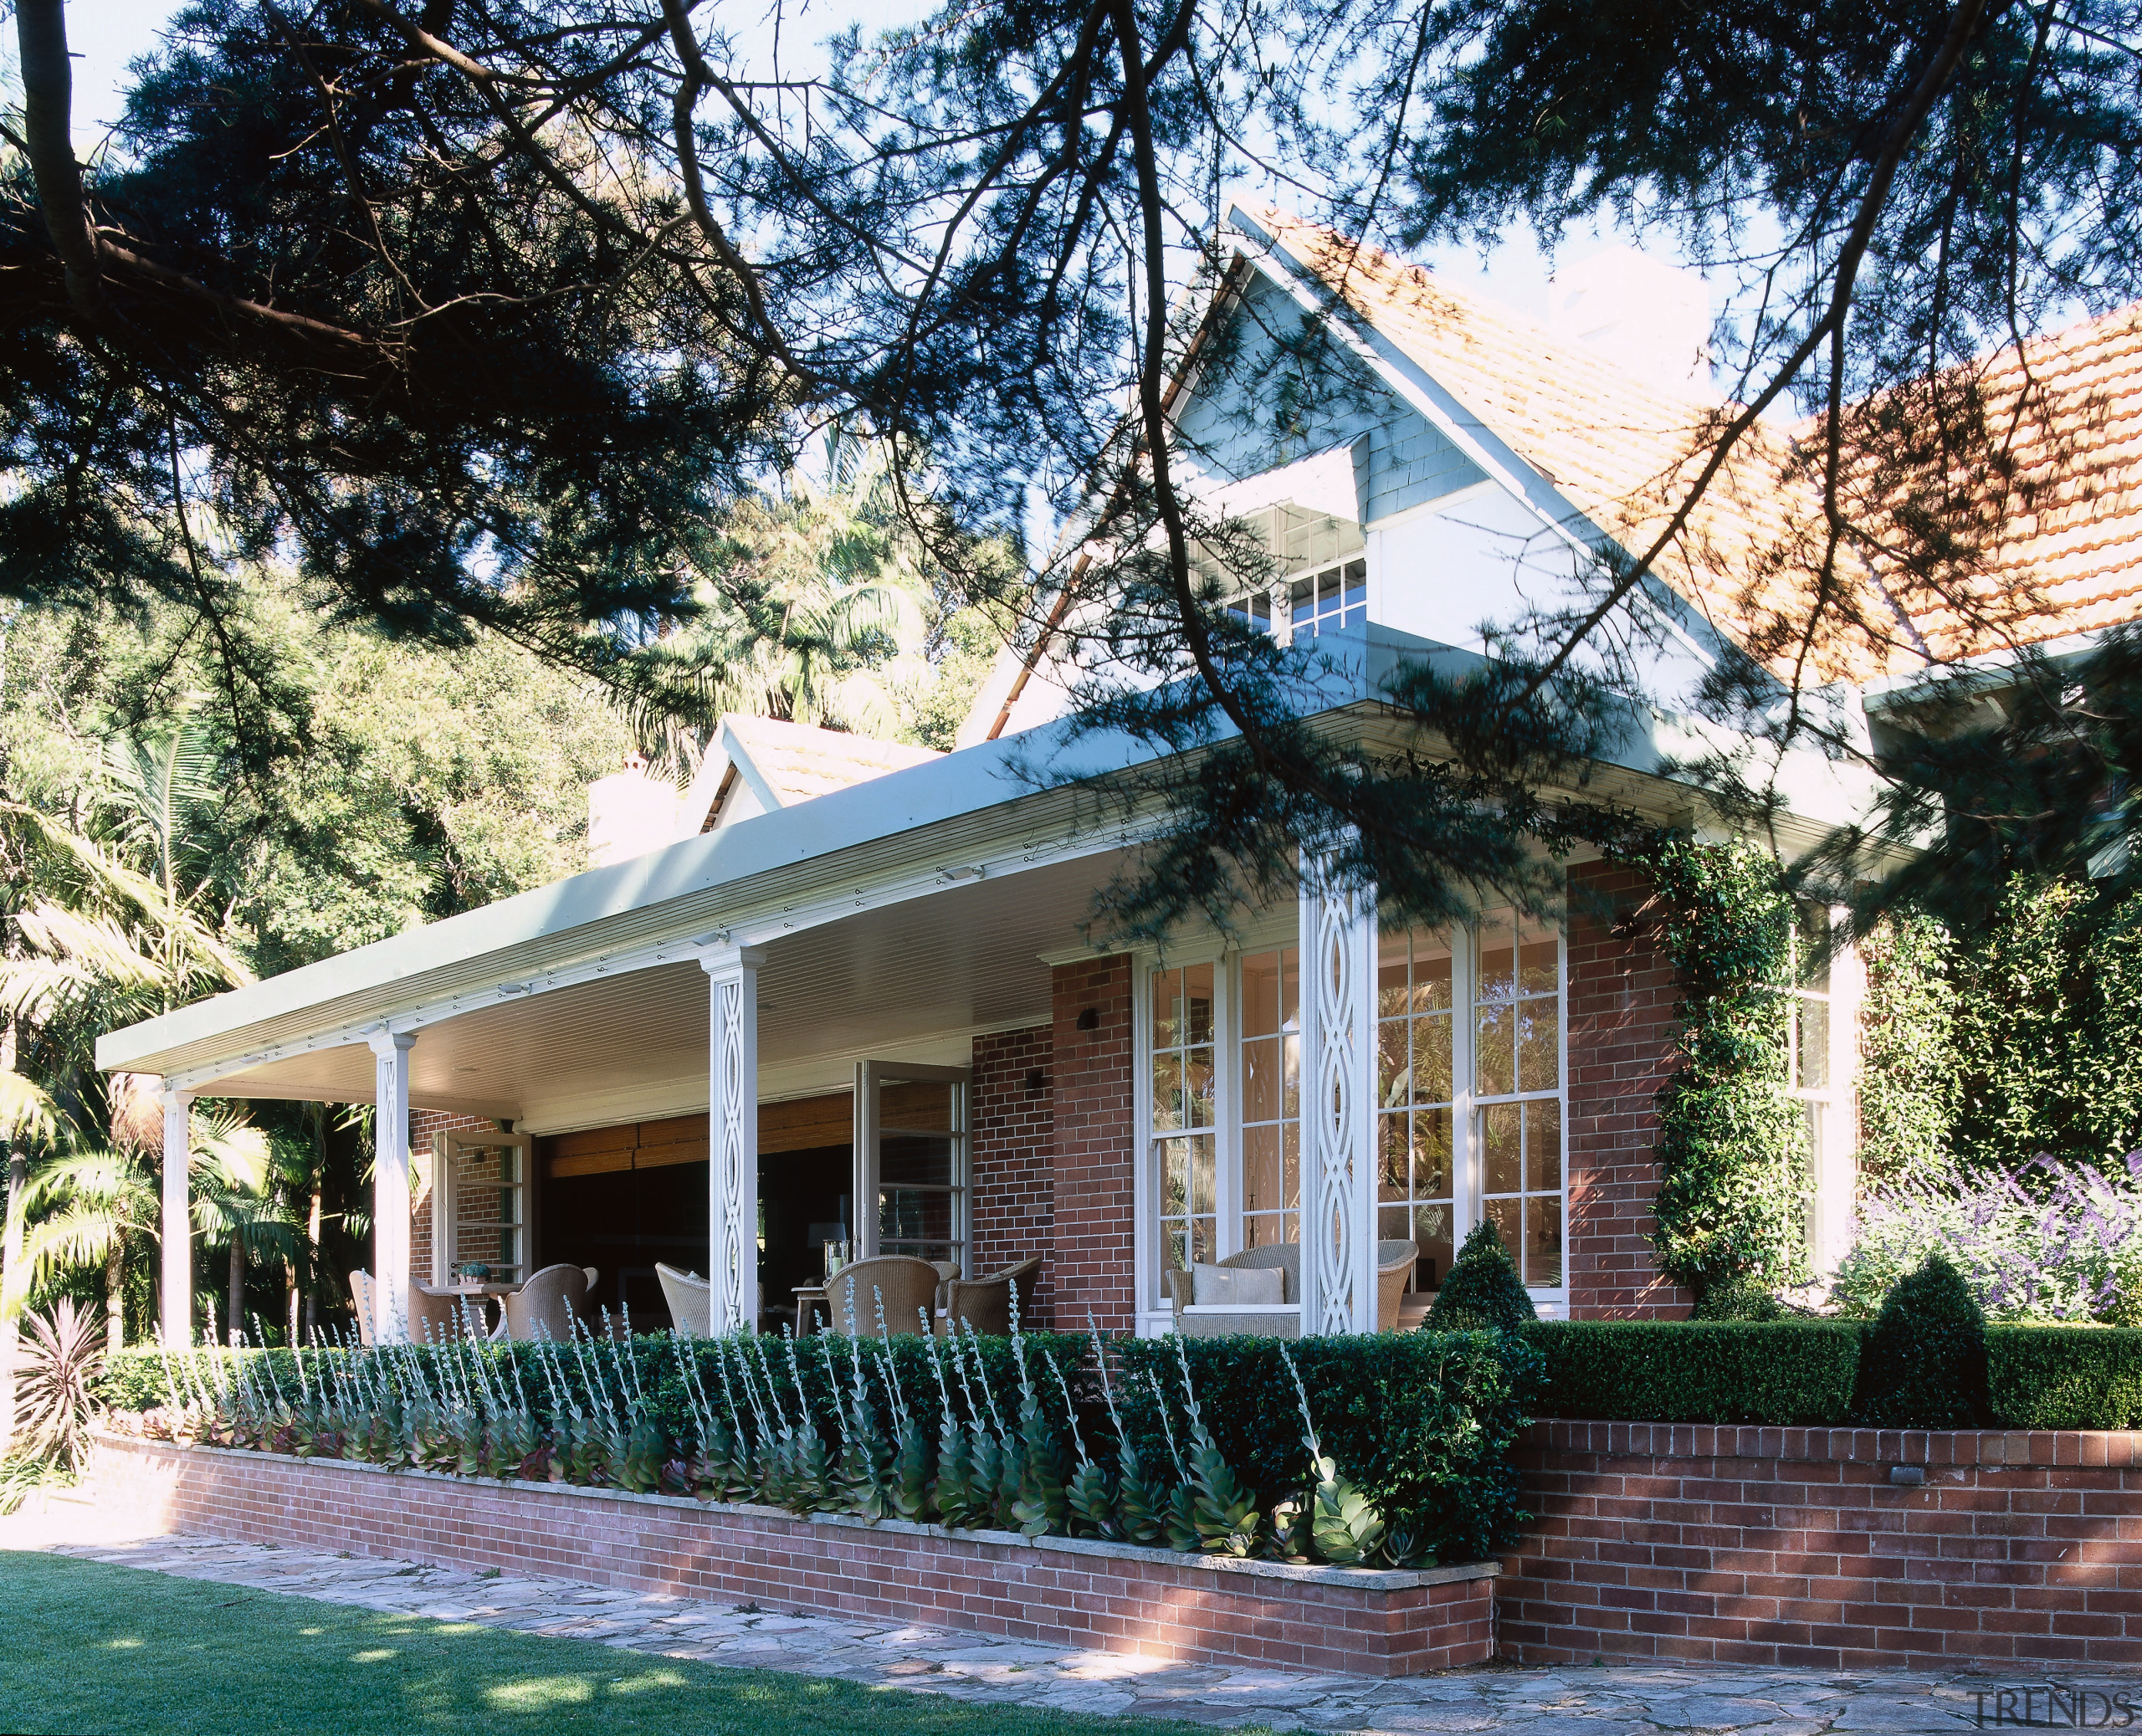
pixel 1060 1591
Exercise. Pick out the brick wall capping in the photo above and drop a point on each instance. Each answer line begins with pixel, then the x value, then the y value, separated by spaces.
pixel 1360 1578
pixel 2011 1447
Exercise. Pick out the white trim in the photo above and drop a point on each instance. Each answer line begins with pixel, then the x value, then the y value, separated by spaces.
pixel 390 1192
pixel 177 1249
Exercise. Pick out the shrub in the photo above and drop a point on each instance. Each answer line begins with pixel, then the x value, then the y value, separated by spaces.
pixel 1739 1299
pixel 1922 1364
pixel 2051 1240
pixel 1797 1372
pixel 1482 1287
pixel 2053 1377
pixel 1422 1423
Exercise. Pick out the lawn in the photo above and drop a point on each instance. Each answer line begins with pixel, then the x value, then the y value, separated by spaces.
pixel 90 1649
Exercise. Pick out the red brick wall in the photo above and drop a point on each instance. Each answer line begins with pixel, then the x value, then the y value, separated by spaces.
pixel 1092 1261
pixel 1621 1046
pixel 422 1125
pixel 1770 1546
pixel 1014 1123
pixel 1050 1590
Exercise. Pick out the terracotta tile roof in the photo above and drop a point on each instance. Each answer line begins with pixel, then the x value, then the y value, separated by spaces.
pixel 1622 451
pixel 2069 556
pixel 801 762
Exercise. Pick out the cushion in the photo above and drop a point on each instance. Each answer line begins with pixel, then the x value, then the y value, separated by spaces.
pixel 1237 1286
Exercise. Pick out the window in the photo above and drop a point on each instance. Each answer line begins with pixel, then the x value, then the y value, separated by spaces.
pixel 1517 1066
pixel 1185 1119
pixel 1270 1071
pixel 1417 1101
pixel 912 1157
pixel 1469 1107
pixel 480 1204
pixel 1321 602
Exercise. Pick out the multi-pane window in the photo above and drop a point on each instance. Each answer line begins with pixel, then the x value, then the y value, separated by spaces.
pixel 1517 1086
pixel 1253 609
pixel 1469 1112
pixel 1269 1050
pixel 1417 1100
pixel 1807 1002
pixel 1185 1115
pixel 1336 596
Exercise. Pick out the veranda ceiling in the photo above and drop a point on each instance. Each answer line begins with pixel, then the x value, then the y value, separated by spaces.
pixel 911 981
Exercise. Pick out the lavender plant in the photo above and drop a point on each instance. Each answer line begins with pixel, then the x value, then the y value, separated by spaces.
pixel 2051 1240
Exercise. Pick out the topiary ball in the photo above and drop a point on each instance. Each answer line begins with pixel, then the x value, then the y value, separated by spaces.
pixel 1922 1364
pixel 1482 1288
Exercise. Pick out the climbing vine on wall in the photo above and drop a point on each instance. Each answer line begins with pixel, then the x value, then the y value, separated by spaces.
pixel 1909 1077
pixel 1732 1145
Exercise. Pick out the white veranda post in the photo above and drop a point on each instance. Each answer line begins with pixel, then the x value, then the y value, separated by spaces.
pixel 733 1135
pixel 1339 1175
pixel 178 1221
pixel 390 1185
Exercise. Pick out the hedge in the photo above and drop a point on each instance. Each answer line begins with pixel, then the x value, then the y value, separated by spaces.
pixel 1796 1372
pixel 1422 1421
pixel 2065 1377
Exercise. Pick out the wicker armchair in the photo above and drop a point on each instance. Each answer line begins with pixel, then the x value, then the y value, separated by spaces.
pixel 908 1287
pixel 985 1304
pixel 690 1298
pixel 436 1316
pixel 549 1300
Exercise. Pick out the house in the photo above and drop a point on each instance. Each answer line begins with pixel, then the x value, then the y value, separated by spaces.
pixel 854 989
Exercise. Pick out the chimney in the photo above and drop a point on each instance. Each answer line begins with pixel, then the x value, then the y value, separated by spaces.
pixel 628 814
pixel 1650 317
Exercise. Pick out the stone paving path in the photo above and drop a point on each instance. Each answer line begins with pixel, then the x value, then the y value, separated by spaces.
pixel 1641 1701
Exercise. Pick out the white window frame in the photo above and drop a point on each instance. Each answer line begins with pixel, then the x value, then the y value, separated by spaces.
pixel 1271 933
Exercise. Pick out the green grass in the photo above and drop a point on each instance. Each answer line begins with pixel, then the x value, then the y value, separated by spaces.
pixel 92 1650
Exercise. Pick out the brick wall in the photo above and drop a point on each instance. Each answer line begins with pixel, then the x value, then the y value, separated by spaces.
pixel 1091 1262
pixel 1013 1117
pixel 422 1125
pixel 1621 1046
pixel 1050 1590
pixel 1770 1546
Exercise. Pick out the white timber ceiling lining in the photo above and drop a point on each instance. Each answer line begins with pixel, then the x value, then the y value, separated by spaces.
pixel 761 902
pixel 962 959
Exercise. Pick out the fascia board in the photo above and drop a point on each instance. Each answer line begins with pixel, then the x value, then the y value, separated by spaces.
pixel 1985 672
pixel 540 930
pixel 705 788
pixel 1416 386
pixel 740 755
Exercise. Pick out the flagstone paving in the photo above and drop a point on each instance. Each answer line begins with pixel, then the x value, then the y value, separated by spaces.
pixel 1641 1701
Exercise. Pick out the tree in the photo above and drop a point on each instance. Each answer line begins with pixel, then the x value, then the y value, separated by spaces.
pixel 970 236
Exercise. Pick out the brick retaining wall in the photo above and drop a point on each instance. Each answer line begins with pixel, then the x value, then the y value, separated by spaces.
pixel 1053 1591
pixel 1792 1546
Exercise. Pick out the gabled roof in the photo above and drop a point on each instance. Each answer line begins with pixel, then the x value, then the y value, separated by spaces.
pixel 785 763
pixel 1622 453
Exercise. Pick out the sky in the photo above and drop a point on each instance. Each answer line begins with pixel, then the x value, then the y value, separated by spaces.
pixel 105 35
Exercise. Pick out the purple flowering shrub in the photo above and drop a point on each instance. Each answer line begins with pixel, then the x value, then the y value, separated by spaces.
pixel 2051 1240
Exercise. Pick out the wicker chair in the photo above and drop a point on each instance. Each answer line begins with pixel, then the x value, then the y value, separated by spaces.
pixel 549 1300
pixel 438 1315
pixel 361 1299
pixel 985 1304
pixel 908 1287
pixel 690 1298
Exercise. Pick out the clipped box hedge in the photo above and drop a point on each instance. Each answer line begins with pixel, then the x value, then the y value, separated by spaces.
pixel 2065 1377
pixel 1796 1372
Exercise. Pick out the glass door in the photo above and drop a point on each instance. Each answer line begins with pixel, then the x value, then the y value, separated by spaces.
pixel 480 1205
pixel 911 1161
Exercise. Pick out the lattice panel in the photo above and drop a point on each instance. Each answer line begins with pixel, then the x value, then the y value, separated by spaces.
pixel 1339 1118
pixel 734 1159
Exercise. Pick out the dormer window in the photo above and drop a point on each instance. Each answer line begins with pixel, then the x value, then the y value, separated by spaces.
pixel 1320 603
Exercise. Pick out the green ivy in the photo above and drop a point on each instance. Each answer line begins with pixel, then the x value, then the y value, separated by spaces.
pixel 1732 1145
pixel 1909 1077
